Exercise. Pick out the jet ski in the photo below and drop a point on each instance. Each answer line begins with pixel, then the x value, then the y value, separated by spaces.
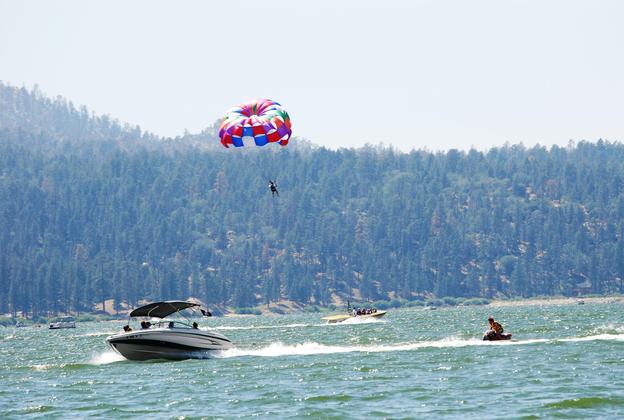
pixel 490 335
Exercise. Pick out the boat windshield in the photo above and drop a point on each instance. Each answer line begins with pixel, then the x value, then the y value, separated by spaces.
pixel 167 323
pixel 172 324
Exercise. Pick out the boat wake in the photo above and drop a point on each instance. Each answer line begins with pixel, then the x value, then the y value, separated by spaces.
pixel 105 358
pixel 97 359
pixel 265 327
pixel 313 348
pixel 597 337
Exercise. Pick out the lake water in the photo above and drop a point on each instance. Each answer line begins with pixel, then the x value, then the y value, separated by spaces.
pixel 565 361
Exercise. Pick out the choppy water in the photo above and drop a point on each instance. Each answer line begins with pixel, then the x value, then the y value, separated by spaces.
pixel 566 361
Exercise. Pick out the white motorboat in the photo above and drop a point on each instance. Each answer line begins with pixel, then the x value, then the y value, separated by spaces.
pixel 333 319
pixel 64 322
pixel 167 338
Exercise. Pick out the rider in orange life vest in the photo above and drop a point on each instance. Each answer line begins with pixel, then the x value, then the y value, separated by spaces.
pixel 498 328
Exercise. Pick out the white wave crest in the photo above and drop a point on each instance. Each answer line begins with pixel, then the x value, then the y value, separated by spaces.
pixel 608 329
pixel 106 358
pixel 97 334
pixel 264 327
pixel 311 348
pixel 358 320
pixel 597 337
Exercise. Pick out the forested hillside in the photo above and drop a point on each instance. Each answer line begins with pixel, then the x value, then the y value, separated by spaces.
pixel 92 210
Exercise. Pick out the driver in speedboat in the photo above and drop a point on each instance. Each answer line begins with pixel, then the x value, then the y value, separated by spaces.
pixel 495 326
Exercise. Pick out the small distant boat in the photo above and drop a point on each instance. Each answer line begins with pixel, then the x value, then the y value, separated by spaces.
pixel 580 302
pixel 333 319
pixel 65 322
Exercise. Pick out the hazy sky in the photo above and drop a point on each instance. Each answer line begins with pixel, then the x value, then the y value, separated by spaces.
pixel 415 74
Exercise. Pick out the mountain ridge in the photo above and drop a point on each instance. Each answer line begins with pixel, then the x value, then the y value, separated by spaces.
pixel 92 210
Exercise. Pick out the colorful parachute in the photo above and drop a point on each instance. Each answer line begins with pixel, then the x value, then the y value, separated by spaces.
pixel 262 120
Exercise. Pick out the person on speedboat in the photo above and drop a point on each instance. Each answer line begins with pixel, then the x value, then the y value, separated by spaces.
pixel 495 326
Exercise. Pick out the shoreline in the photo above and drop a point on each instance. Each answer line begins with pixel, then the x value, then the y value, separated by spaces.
pixel 289 309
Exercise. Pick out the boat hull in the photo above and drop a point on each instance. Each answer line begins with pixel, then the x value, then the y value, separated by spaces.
pixel 333 319
pixel 167 343
pixel 492 336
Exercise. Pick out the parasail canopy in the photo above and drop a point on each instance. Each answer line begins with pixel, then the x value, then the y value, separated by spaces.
pixel 256 122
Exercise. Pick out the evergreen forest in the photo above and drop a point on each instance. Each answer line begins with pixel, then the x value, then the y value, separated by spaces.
pixel 95 211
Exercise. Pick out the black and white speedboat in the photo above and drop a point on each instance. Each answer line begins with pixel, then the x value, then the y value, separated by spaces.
pixel 167 338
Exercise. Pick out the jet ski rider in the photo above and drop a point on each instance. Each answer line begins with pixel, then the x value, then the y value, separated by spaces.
pixel 495 326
